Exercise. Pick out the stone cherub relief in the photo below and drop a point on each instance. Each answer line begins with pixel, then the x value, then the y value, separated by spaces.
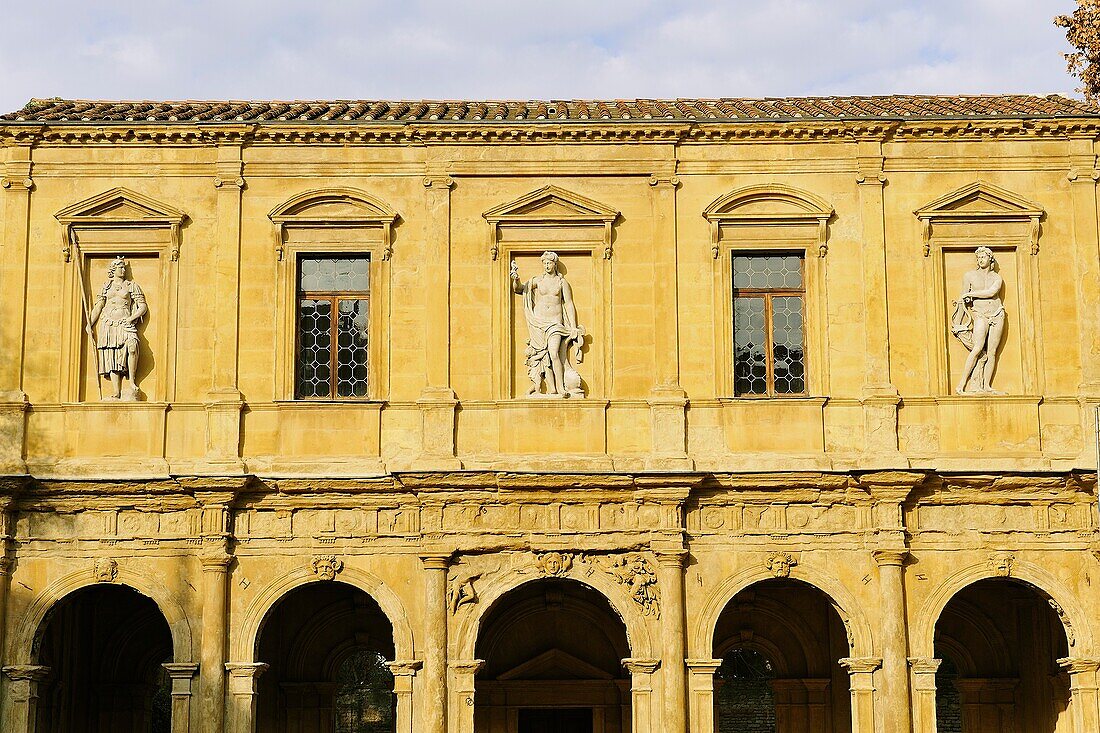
pixel 118 310
pixel 552 330
pixel 978 321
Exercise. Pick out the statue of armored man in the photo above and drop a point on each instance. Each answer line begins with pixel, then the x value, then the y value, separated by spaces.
pixel 978 322
pixel 552 329
pixel 118 309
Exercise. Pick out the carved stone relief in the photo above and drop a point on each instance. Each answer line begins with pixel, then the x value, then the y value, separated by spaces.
pixel 635 572
pixel 553 334
pixel 1001 563
pixel 118 309
pixel 553 563
pixel 462 592
pixel 105 570
pixel 780 564
pixel 1071 636
pixel 978 321
pixel 326 566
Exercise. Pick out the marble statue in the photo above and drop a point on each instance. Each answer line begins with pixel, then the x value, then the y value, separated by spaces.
pixel 552 328
pixel 978 322
pixel 118 309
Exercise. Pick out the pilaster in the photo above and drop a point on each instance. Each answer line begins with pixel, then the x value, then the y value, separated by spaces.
pixel 463 673
pixel 1084 176
pixel 182 675
pixel 861 672
pixel 242 691
pixel 404 670
pixel 1084 706
pixel 16 185
pixel 223 402
pixel 641 693
pixel 437 402
pixel 23 680
pixel 701 694
pixel 924 692
pixel 668 401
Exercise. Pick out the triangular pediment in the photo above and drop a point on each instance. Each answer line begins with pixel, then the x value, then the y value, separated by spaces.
pixel 768 201
pixel 555 665
pixel 121 206
pixel 552 204
pixel 333 205
pixel 978 200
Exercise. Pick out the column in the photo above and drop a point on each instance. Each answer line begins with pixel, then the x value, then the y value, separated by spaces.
pixel 181 675
pixel 924 693
pixel 894 636
pixel 215 574
pixel 7 527
pixel 641 694
pixel 242 691
pixel 701 680
pixel 23 682
pixel 462 704
pixel 435 643
pixel 224 402
pixel 1084 703
pixel 670 576
pixel 861 671
pixel 437 402
pixel 404 670
pixel 667 400
pixel 15 202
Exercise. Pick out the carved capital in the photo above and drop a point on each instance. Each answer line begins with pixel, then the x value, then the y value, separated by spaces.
pixel 326 567
pixel 860 665
pixel 405 667
pixel 439 182
pixel 105 570
pixel 870 178
pixel 890 557
pixel 671 558
pixel 18 184
pixel 24 681
pixel 921 665
pixel 659 181
pixel 6 564
pixel 1078 665
pixel 1000 563
pixel 215 562
pixel 243 676
pixel 237 182
pixel 641 666
pixel 467 666
pixel 436 561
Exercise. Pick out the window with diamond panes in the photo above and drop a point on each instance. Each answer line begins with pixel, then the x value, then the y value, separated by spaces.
pixel 769 333
pixel 333 327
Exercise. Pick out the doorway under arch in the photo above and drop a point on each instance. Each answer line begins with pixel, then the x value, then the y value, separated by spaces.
pixel 1000 640
pixel 327 645
pixel 780 641
pixel 104 646
pixel 553 652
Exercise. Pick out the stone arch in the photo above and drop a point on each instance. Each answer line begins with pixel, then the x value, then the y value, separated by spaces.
pixel 22 645
pixel 243 646
pixel 1075 621
pixel 701 639
pixel 638 635
pixel 781 616
pixel 769 201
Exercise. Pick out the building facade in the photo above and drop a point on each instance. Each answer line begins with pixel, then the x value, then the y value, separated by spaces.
pixel 519 417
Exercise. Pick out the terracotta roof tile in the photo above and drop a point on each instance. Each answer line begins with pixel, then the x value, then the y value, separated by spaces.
pixel 726 109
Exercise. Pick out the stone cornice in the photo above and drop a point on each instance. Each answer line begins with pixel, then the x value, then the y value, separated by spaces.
pixel 587 131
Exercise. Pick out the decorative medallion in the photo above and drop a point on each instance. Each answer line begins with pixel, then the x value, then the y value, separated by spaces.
pixel 326 566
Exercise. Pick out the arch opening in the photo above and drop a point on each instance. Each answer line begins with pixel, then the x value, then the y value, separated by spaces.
pixel 780 641
pixel 104 646
pixel 553 652
pixel 1000 640
pixel 327 645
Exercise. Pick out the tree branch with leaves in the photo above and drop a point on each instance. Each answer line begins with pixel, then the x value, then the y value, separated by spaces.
pixel 1083 33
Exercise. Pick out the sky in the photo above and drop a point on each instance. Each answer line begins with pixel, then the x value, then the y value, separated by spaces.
pixel 522 49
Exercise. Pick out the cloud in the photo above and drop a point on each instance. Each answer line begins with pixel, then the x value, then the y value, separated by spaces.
pixel 284 49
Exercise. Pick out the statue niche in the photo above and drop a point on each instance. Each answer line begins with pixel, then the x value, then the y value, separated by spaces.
pixel 978 321
pixel 118 309
pixel 553 333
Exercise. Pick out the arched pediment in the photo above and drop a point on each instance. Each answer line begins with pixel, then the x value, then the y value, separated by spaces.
pixel 551 203
pixel 772 201
pixel 120 206
pixel 333 206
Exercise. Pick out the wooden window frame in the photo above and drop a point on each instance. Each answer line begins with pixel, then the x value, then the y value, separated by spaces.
pixel 334 297
pixel 767 294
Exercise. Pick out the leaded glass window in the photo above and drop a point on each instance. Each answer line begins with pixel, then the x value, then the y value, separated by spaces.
pixel 768 324
pixel 364 700
pixel 333 327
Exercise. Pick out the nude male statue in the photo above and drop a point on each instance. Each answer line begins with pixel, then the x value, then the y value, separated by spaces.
pixel 978 322
pixel 118 309
pixel 552 327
